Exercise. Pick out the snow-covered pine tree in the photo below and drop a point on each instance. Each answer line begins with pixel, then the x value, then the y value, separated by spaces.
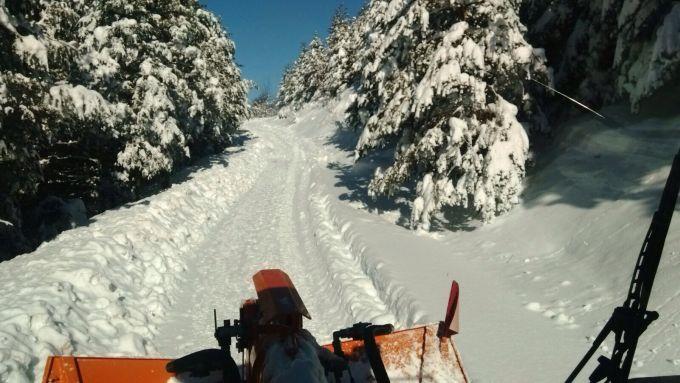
pixel 360 27
pixel 36 62
pixel 647 55
pixel 107 95
pixel 339 69
pixel 342 55
pixel 370 28
pixel 24 73
pixel 604 50
pixel 450 80
pixel 393 59
pixel 175 63
pixel 302 81
pixel 288 78
pixel 263 104
pixel 83 124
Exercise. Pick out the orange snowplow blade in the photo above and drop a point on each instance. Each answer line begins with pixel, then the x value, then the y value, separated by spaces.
pixel 413 355
pixel 80 369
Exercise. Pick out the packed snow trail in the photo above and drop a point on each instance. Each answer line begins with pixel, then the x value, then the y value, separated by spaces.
pixel 143 279
pixel 270 226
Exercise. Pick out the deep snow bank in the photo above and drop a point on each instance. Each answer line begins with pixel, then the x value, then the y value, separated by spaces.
pixel 103 289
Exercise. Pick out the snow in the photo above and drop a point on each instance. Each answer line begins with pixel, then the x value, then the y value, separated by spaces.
pixel 503 152
pixel 537 283
pixel 82 101
pixel 103 289
pixel 594 204
pixel 423 206
pixel 457 126
pixel 213 377
pixel 31 49
pixel 5 18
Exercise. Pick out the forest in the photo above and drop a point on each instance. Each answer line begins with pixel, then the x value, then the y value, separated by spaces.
pixel 462 89
pixel 101 102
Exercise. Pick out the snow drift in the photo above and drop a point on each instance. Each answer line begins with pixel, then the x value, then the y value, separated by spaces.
pixel 102 289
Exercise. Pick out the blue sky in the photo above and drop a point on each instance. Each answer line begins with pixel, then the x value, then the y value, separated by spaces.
pixel 268 33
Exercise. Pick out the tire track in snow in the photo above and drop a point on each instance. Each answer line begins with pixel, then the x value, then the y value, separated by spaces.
pixel 357 291
pixel 383 300
pixel 276 224
pixel 343 292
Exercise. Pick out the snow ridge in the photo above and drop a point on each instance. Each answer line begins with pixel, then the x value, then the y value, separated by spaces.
pixel 366 290
pixel 401 308
pixel 103 288
pixel 347 271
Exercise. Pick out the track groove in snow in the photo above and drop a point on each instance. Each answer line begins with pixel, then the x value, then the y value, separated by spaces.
pixel 399 306
pixel 357 291
pixel 279 224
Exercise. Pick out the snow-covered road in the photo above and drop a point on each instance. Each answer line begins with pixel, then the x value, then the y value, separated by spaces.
pixel 273 224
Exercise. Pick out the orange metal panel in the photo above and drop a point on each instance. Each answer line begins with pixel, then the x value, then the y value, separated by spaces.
pixel 69 369
pixel 400 349
pixel 277 296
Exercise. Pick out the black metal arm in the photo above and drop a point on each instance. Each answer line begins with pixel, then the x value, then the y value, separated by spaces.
pixel 629 321
pixel 367 333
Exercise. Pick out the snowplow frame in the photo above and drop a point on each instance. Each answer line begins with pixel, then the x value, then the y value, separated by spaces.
pixel 399 349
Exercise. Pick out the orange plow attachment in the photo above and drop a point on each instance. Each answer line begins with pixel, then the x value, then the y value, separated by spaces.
pixel 371 353
pixel 83 369
pixel 413 355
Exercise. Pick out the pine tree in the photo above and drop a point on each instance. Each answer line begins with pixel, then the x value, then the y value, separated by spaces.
pixel 342 55
pixel 302 81
pixel 647 55
pixel 186 91
pixel 23 81
pixel 449 82
pixel 603 51
pixel 102 98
